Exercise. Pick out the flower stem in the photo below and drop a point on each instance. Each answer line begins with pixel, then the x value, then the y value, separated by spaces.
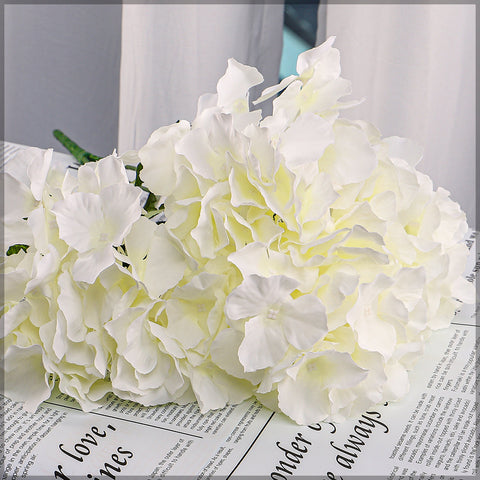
pixel 81 155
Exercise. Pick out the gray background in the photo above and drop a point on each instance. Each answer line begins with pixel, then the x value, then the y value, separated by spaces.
pixel 61 70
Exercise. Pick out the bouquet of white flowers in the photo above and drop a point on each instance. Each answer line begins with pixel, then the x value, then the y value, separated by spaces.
pixel 299 258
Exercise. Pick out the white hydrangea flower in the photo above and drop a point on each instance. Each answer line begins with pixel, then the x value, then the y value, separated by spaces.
pixel 98 216
pixel 25 363
pixel 303 259
pixel 141 369
pixel 232 96
pixel 160 160
pixel 214 388
pixel 155 258
pixel 317 89
pixel 304 394
pixel 273 320
pixel 31 181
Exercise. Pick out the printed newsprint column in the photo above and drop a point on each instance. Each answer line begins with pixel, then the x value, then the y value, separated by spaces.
pixel 60 441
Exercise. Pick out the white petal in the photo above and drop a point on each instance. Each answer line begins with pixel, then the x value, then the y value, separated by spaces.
pixel 79 218
pixel 17 233
pixel 463 290
pixel 324 54
pixel 236 82
pixel 354 159
pixel 138 240
pixel 25 377
pixel 141 350
pixel 318 197
pixel 209 396
pixel 14 284
pixel 17 166
pixel 206 101
pixel 164 264
pixel 110 171
pixel 90 264
pixel 88 181
pixel 264 344
pixel 306 140
pixel 157 261
pixel 397 384
pixel 304 321
pixel 384 205
pixel 210 233
pixel 121 208
pixel 404 148
pixel 303 396
pixel 364 319
pixel 224 353
pixel 70 302
pixel 159 158
pixel 237 390
pixel 14 317
pixel 255 293
pixel 45 267
pixel 19 201
pixel 195 146
pixel 273 90
pixel 170 345
pixel 156 377
pixel 97 342
pixel 60 340
pixel 256 258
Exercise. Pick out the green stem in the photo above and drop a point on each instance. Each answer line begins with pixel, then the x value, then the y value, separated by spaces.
pixel 81 155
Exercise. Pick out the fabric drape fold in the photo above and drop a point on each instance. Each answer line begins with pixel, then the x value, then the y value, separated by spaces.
pixel 172 54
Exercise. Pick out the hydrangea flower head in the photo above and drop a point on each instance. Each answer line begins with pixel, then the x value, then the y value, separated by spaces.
pixel 300 258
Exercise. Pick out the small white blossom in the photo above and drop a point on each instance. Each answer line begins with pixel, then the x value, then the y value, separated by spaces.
pixel 274 320
pixel 94 221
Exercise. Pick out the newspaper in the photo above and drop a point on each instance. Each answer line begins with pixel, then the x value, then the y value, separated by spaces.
pixel 430 434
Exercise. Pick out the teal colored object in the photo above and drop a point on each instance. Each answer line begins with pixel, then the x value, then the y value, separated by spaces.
pixel 293 45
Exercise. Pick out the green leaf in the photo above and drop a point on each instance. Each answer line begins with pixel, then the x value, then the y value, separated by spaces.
pixel 150 203
pixel 138 181
pixel 14 249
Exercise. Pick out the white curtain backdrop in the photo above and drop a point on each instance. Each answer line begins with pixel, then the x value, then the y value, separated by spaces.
pixel 172 54
pixel 415 65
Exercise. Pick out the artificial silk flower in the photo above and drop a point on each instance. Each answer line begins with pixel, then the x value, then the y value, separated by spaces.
pixel 98 216
pixel 155 258
pixel 31 181
pixel 300 258
pixel 26 363
pixel 304 394
pixel 31 168
pixel 161 177
pixel 232 96
pixel 141 370
pixel 317 89
pixel 274 320
pixel 233 87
